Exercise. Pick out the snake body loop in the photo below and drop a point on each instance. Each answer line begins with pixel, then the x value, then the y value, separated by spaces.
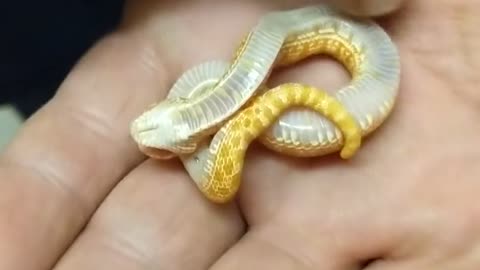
pixel 213 96
pixel 217 167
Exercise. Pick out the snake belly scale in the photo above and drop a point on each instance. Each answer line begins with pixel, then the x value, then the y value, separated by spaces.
pixel 211 98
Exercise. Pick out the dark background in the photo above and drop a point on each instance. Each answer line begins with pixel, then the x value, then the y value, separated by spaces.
pixel 40 41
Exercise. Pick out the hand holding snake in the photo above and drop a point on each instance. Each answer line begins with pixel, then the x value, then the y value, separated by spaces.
pixel 209 95
pixel 77 194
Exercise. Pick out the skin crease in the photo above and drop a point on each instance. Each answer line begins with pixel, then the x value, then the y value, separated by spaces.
pixel 77 194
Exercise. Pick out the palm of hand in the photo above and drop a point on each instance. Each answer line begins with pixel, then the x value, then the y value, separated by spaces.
pixel 398 201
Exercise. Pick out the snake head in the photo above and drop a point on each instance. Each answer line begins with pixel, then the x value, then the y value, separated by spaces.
pixel 159 134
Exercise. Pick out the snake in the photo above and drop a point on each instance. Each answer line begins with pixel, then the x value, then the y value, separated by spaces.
pixel 216 109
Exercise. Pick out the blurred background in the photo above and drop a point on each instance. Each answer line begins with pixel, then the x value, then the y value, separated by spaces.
pixel 10 121
pixel 41 41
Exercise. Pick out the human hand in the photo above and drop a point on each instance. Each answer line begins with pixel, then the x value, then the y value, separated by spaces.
pixel 76 190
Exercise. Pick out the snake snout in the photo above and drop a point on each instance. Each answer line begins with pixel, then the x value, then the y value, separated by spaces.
pixel 146 135
pixel 140 129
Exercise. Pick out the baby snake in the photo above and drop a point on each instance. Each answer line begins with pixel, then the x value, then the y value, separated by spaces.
pixel 231 101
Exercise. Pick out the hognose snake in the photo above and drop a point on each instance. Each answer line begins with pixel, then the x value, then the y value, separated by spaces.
pixel 231 102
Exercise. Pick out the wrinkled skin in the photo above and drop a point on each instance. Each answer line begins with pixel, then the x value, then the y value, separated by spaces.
pixel 75 192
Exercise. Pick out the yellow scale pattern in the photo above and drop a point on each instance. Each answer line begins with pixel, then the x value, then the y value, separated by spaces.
pixel 221 171
pixel 329 43
pixel 223 168
pixel 231 142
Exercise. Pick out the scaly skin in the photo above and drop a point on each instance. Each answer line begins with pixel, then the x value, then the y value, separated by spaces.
pixel 229 145
pixel 178 124
pixel 361 46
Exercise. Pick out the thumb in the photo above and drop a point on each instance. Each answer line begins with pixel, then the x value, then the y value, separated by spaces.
pixel 368 7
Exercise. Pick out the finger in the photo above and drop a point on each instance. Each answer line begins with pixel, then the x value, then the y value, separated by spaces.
pixel 300 219
pixel 73 151
pixel 279 248
pixel 368 7
pixel 155 219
